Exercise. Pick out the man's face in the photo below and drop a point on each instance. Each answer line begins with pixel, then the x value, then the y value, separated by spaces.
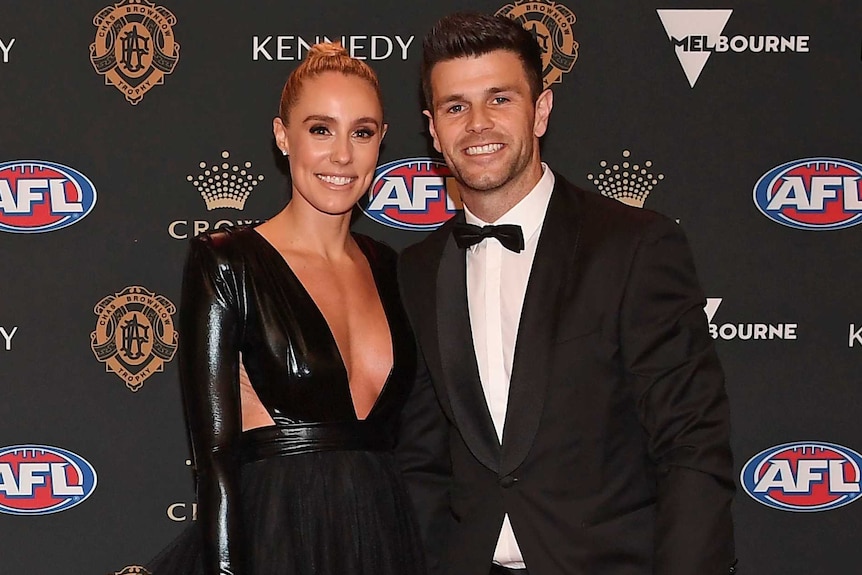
pixel 485 123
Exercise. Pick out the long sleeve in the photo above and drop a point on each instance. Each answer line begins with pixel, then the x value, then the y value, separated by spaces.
pixel 209 375
pixel 679 384
pixel 422 450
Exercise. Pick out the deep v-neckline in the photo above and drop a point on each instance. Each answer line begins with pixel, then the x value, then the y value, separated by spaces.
pixel 285 265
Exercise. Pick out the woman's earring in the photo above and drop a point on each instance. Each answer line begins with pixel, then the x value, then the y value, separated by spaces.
pixel 284 152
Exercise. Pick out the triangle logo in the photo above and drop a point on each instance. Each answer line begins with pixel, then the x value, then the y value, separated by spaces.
pixel 711 307
pixel 681 24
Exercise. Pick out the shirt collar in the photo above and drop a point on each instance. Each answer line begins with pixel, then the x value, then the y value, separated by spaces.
pixel 529 212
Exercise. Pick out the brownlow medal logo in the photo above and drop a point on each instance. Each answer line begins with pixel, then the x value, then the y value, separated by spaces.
pixel 135 46
pixel 134 335
pixel 551 24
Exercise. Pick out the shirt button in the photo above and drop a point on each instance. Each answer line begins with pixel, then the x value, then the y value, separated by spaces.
pixel 508 481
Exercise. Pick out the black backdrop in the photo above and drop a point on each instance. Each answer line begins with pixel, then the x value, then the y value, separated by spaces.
pixel 205 99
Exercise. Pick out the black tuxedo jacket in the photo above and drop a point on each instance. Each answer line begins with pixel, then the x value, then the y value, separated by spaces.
pixel 615 457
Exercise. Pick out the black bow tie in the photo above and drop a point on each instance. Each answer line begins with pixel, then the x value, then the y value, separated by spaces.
pixel 510 235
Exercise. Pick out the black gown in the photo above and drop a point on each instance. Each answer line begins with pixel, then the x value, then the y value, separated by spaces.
pixel 320 492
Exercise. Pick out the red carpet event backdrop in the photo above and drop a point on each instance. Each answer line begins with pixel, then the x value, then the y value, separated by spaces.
pixel 130 127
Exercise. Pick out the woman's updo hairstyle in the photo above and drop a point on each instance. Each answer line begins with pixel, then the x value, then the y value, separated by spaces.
pixel 324 57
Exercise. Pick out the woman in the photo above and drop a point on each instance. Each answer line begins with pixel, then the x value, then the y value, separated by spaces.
pixel 296 357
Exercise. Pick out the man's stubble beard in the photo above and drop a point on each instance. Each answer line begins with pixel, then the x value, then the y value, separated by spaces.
pixel 483 182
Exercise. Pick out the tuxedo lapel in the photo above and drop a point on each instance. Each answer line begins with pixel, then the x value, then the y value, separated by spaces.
pixel 534 347
pixel 458 358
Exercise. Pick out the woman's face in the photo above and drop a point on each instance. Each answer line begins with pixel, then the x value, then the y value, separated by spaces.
pixel 333 139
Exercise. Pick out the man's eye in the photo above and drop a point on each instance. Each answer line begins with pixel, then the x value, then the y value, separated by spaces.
pixel 454 109
pixel 501 99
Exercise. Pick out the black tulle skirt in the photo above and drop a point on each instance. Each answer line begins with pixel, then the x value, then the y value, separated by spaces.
pixel 321 513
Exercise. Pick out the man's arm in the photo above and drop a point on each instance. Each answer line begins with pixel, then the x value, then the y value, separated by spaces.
pixel 679 385
pixel 423 454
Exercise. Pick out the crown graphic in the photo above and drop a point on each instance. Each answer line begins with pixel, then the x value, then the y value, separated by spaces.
pixel 225 185
pixel 133 570
pixel 626 182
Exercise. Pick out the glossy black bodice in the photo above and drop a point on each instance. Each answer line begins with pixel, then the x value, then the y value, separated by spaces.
pixel 241 297
pixel 288 350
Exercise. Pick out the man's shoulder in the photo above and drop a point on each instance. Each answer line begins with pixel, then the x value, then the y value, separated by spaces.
pixel 607 215
pixel 430 247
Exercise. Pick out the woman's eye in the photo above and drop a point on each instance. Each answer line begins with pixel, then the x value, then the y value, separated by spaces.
pixel 319 130
pixel 364 133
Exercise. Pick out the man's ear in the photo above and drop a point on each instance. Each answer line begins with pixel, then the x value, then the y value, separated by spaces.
pixel 544 105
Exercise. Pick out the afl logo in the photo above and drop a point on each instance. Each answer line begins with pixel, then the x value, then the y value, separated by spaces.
pixel 37 196
pixel 803 476
pixel 551 25
pixel 812 194
pixel 39 479
pixel 416 194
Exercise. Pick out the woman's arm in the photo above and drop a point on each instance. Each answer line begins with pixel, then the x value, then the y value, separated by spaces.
pixel 209 375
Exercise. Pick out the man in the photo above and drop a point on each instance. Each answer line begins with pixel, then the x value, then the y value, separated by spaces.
pixel 571 417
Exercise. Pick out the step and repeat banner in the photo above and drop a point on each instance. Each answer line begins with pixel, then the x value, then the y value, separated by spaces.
pixel 127 128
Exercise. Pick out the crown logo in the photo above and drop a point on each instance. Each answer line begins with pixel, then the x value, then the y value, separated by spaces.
pixel 225 185
pixel 132 570
pixel 629 183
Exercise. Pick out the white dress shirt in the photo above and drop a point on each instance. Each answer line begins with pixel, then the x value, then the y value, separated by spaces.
pixel 496 283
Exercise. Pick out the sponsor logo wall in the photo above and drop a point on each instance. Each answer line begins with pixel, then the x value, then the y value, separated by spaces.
pixel 134 335
pixel 697 34
pixel 40 479
pixel 132 570
pixel 38 196
pixel 855 336
pixel 6 49
pixel 224 186
pixel 147 123
pixel 415 194
pixel 134 48
pixel 292 48
pixel 804 476
pixel 181 512
pixel 746 330
pixel 7 333
pixel 551 24
pixel 812 194
pixel 625 180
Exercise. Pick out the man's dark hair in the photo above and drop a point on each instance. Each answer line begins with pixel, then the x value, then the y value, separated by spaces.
pixel 469 34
